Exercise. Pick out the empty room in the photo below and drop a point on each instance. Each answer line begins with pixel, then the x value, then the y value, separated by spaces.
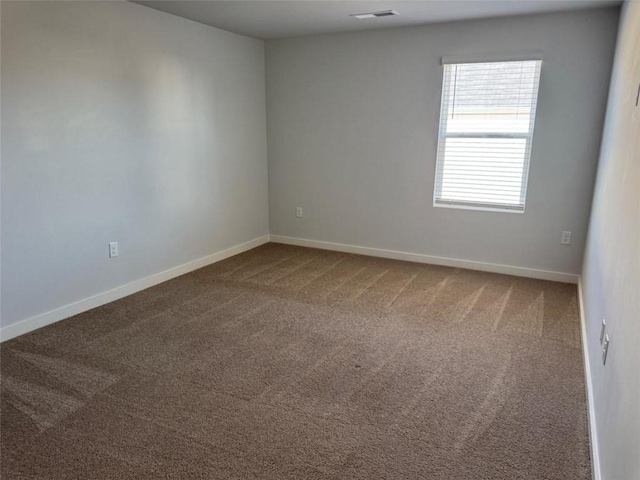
pixel 320 240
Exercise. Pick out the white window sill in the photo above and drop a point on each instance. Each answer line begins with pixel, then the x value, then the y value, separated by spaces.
pixel 474 207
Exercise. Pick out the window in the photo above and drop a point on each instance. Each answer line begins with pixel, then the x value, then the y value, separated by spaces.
pixel 486 127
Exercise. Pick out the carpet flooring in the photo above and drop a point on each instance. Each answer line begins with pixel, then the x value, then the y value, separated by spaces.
pixel 294 363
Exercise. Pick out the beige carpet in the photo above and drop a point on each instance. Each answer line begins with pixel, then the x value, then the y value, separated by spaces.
pixel 294 363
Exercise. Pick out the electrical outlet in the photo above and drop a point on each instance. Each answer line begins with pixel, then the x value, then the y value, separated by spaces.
pixel 299 212
pixel 602 329
pixel 605 349
pixel 565 239
pixel 113 249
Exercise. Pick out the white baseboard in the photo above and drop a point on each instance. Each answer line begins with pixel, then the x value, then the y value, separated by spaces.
pixel 593 433
pixel 430 259
pixel 52 316
pixel 11 331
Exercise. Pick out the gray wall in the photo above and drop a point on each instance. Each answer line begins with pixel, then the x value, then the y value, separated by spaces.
pixel 352 129
pixel 122 123
pixel 611 273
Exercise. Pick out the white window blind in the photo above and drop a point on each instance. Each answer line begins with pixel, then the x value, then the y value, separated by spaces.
pixel 486 128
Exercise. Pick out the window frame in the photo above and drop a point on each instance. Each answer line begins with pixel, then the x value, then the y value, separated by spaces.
pixel 443 136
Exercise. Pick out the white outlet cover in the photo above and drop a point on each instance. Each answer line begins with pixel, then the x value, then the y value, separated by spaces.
pixel 605 349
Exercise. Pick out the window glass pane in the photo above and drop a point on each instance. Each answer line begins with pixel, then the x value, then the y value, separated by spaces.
pixel 468 177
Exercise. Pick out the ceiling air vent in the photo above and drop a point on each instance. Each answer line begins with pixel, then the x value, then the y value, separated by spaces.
pixel 383 13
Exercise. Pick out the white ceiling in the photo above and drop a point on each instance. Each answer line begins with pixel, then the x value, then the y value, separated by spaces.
pixel 269 19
